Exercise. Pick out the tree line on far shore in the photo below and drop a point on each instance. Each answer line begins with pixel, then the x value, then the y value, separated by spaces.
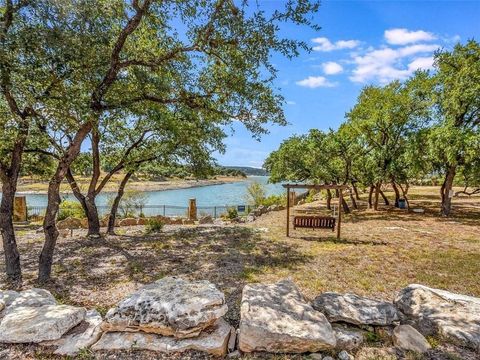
pixel 398 134
pixel 137 82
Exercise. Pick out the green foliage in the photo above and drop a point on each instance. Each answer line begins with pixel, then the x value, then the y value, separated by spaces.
pixel 154 225
pixel 255 193
pixel 70 208
pixel 232 213
pixel 274 200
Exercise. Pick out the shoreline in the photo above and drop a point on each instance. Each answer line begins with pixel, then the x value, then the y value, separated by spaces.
pixel 144 186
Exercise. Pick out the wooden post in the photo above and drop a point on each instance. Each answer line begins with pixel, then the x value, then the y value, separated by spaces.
pixel 288 211
pixel 192 209
pixel 20 209
pixel 339 220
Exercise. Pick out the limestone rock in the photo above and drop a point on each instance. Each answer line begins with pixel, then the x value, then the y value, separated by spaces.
pixel 128 222
pixel 434 311
pixel 276 318
pixel 69 223
pixel 212 340
pixel 170 306
pixel 232 340
pixel 36 324
pixel 142 221
pixel 33 298
pixel 8 296
pixel 176 221
pixel 81 336
pixel 354 309
pixel 207 219
pixel 343 355
pixel 2 305
pixel 406 337
pixel 188 222
pixel 348 338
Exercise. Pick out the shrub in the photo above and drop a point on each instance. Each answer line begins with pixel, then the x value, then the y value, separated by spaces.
pixel 131 203
pixel 70 208
pixel 154 225
pixel 255 193
pixel 232 213
pixel 274 200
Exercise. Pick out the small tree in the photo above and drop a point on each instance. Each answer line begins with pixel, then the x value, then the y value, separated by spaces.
pixel 255 193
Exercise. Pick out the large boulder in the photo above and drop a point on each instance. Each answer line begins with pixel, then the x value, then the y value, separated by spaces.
pixel 36 324
pixel 213 340
pixel 276 318
pixel 128 222
pixel 434 311
pixel 171 306
pixel 82 336
pixel 207 219
pixel 69 223
pixel 354 309
pixel 406 337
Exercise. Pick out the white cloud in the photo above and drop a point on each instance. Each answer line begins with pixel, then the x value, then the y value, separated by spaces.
pixel 332 68
pixel 424 63
pixel 387 64
pixel 315 82
pixel 405 36
pixel 323 44
pixel 289 102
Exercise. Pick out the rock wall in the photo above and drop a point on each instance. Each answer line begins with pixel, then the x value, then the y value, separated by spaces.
pixel 174 315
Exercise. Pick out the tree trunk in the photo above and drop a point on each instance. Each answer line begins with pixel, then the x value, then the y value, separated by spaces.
pixel 53 204
pixel 385 200
pixel 352 199
pixel 12 256
pixel 345 207
pixel 370 196
pixel 397 193
pixel 116 203
pixel 355 190
pixel 377 192
pixel 445 191
pixel 329 199
pixel 92 217
pixel 50 230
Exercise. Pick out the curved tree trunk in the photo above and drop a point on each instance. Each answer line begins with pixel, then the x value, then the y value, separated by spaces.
pixel 385 199
pixel 355 190
pixel 352 199
pixel 12 256
pixel 445 191
pixel 116 203
pixel 53 204
pixel 397 193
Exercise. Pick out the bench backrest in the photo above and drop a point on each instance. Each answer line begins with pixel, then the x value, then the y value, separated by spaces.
pixel 314 222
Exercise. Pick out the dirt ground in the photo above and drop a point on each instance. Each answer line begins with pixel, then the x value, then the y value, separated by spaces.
pixel 379 253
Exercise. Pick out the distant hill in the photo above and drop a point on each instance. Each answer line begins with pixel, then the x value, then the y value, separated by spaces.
pixel 248 170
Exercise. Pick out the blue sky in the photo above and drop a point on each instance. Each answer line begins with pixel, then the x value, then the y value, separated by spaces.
pixel 360 43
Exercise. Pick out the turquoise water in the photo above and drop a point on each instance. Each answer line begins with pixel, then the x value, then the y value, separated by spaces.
pixel 213 195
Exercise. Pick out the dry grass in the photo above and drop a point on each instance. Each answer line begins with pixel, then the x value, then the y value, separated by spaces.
pixel 380 252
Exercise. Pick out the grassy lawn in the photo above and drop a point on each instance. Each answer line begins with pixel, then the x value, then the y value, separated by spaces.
pixel 380 252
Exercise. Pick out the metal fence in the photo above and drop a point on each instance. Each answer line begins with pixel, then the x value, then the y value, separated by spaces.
pixel 154 210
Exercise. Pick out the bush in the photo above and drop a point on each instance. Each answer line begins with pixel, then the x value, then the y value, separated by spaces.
pixel 232 213
pixel 255 193
pixel 131 204
pixel 154 225
pixel 274 200
pixel 70 208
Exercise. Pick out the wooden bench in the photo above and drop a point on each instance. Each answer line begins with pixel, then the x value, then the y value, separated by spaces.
pixel 314 222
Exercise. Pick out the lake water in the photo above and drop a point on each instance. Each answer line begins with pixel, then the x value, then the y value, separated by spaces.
pixel 207 196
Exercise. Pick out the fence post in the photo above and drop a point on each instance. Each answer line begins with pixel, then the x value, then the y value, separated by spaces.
pixel 214 212
pixel 164 211
pixel 192 209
